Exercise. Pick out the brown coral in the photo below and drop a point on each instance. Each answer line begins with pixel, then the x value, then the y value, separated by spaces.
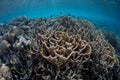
pixel 86 30
pixel 59 47
pixel 68 44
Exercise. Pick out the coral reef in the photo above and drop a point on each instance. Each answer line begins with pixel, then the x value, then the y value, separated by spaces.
pixel 64 48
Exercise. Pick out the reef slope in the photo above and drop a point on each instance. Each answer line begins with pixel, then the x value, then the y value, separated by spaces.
pixel 64 48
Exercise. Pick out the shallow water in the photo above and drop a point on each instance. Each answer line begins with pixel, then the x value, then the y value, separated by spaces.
pixel 105 12
pixel 66 48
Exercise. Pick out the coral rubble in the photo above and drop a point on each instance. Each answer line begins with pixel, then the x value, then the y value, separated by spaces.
pixel 64 48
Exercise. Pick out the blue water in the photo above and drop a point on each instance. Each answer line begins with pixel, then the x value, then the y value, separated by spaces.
pixel 103 11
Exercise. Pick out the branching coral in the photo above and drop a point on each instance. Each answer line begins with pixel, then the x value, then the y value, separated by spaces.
pixel 101 49
pixel 65 48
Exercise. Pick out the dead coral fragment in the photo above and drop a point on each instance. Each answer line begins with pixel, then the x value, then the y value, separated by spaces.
pixel 59 47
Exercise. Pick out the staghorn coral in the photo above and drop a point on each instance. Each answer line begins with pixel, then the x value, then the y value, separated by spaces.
pixel 59 47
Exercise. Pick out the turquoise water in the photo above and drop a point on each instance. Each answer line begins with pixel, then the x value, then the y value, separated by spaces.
pixel 106 12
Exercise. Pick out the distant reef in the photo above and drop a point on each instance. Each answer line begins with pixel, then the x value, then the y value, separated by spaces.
pixel 62 48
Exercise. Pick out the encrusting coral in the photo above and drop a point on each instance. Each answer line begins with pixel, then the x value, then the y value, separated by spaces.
pixel 64 48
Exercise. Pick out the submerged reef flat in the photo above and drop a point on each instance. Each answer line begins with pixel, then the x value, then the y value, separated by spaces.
pixel 63 48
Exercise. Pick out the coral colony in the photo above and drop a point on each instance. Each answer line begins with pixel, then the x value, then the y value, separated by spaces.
pixel 64 48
